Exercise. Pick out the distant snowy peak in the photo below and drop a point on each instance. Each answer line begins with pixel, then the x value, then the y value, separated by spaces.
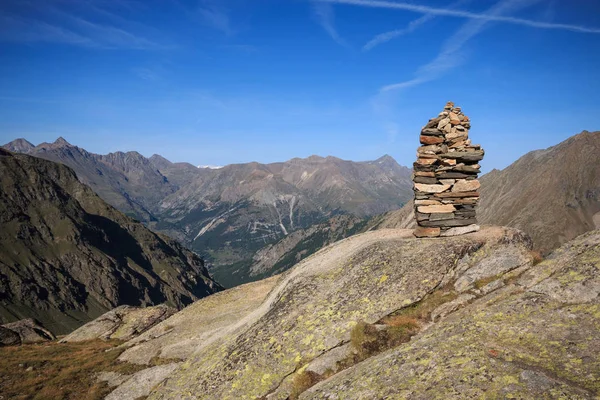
pixel 210 166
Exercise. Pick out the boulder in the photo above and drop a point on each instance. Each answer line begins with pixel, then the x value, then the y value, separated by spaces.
pixel 30 331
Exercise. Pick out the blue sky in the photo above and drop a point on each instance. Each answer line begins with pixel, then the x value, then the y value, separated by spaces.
pixel 228 81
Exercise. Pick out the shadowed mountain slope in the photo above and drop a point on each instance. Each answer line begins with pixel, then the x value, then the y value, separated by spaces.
pixel 66 256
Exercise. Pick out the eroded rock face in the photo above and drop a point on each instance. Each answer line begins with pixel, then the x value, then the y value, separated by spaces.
pixel 122 323
pixel 536 337
pixel 314 306
pixel 28 331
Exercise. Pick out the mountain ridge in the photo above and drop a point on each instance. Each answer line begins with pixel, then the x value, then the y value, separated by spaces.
pixel 228 214
pixel 66 256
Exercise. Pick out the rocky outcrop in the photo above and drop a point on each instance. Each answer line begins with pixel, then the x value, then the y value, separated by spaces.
pixel 67 257
pixel 445 176
pixel 553 195
pixel 122 323
pixel 141 383
pixel 535 337
pixel 313 307
pixel 489 323
pixel 178 337
pixel 25 331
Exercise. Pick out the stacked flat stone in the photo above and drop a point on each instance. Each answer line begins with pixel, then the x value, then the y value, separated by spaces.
pixel 445 176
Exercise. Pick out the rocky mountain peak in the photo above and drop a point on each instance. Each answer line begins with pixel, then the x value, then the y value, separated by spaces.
pixel 159 161
pixel 386 158
pixel 61 141
pixel 19 146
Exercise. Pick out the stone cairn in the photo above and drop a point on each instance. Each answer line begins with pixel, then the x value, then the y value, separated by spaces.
pixel 445 176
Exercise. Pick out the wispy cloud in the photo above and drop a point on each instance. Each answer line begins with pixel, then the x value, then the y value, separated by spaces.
pixel 464 14
pixel 52 23
pixel 325 16
pixel 412 26
pixel 147 74
pixel 449 56
pixel 216 17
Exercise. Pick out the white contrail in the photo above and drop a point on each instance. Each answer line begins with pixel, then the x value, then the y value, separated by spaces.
pixel 448 57
pixel 412 26
pixel 463 14
pixel 325 17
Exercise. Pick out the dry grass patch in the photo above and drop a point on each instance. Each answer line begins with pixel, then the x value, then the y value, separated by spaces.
pixel 369 340
pixel 303 381
pixel 537 257
pixel 59 370
pixel 483 282
pixel 421 311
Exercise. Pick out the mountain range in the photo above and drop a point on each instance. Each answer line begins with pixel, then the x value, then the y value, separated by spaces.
pixel 379 314
pixel 230 213
pixel 66 256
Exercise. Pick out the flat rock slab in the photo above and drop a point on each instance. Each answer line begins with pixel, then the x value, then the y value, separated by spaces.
pixel 466 186
pixel 441 209
pixel 461 230
pixel 142 383
pixel 423 232
pixel 122 323
pixel 431 139
pixel 449 223
pixel 431 188
pixel 208 319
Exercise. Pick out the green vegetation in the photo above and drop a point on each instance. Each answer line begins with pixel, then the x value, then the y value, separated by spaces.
pixel 60 371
